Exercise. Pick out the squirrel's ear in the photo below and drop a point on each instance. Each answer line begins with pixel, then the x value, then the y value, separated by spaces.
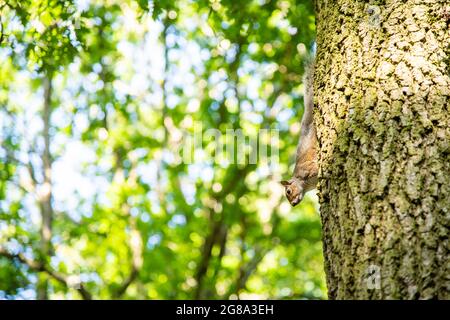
pixel 285 183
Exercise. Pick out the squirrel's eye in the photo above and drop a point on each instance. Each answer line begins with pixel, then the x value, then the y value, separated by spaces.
pixel 288 192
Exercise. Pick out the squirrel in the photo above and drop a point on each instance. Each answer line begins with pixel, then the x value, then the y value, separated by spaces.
pixel 304 177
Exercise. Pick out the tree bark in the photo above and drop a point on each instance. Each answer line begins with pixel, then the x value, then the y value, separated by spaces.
pixel 382 90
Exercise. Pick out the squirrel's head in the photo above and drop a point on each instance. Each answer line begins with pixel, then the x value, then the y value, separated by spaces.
pixel 294 190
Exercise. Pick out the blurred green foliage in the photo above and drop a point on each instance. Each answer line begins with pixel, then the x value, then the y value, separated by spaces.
pixel 129 80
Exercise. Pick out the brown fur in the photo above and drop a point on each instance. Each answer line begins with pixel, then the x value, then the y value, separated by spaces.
pixel 304 178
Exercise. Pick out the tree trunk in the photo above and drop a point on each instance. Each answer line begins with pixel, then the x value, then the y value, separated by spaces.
pixel 45 197
pixel 382 114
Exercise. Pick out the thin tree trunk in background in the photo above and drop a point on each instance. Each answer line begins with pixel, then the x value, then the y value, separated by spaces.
pixel 382 113
pixel 45 196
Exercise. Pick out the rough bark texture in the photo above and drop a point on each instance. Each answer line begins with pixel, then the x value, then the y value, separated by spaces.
pixel 382 113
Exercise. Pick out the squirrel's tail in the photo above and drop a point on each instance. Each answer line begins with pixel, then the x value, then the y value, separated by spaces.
pixel 307 144
pixel 308 98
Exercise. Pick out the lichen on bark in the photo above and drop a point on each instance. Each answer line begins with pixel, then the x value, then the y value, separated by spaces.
pixel 382 113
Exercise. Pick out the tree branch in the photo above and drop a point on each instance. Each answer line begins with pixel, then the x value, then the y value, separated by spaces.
pixel 136 259
pixel 41 267
pixel 45 194
pixel 135 241
pixel 246 270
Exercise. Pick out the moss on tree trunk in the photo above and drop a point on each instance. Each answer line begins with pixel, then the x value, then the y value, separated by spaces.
pixel 383 122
